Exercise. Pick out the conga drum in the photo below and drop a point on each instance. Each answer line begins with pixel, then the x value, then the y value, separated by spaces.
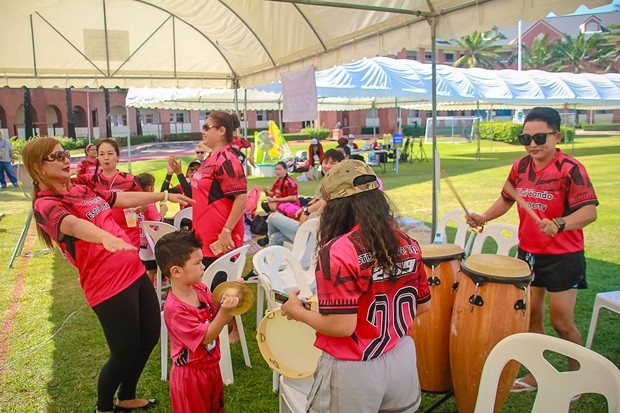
pixel 492 302
pixel 287 345
pixel 431 330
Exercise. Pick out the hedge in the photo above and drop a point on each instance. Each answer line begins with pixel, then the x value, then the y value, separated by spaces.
pixel 414 130
pixel 79 143
pixel 601 127
pixel 186 136
pixel 508 132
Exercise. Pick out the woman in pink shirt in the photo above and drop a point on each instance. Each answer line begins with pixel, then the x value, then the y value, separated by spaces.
pixel 78 219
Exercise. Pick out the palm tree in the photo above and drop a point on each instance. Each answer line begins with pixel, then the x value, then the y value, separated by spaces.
pixel 584 53
pixel 540 56
pixel 479 50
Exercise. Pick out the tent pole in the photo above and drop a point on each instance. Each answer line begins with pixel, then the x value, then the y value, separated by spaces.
pixel 436 161
pixel 375 116
pixel 128 141
pixel 478 129
pixel 245 113
pixel 90 140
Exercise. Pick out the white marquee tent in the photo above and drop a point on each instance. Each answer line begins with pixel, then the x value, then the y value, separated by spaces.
pixel 226 43
pixel 378 81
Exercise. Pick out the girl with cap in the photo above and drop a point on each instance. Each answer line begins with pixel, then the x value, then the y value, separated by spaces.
pixel 370 284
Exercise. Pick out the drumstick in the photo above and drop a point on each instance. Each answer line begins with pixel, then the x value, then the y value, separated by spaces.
pixel 522 203
pixel 456 195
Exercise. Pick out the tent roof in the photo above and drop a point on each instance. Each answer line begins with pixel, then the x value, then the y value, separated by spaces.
pixel 224 43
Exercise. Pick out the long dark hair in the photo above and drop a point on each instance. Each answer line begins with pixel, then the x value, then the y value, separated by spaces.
pixel 372 211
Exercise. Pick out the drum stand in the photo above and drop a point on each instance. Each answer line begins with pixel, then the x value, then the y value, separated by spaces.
pixel 420 155
pixel 440 402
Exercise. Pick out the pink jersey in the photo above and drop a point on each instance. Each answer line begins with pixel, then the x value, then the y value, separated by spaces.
pixel 149 214
pixel 214 186
pixel 119 182
pixel 86 166
pixel 103 274
pixel 557 190
pixel 187 326
pixel 347 283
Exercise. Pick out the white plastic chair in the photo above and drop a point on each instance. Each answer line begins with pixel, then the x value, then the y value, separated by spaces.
pixel 457 216
pixel 232 264
pixel 293 394
pixel 505 235
pixel 304 244
pixel 154 230
pixel 184 213
pixel 279 270
pixel 555 389
pixel 609 300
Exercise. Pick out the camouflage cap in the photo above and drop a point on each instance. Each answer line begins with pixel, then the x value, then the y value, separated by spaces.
pixel 339 181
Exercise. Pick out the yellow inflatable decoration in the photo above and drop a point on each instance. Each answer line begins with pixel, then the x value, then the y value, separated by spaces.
pixel 270 145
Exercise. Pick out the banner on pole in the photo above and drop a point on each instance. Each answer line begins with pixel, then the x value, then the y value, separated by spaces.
pixel 299 95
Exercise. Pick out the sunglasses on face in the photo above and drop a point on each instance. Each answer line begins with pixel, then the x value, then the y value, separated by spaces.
pixel 538 138
pixel 58 156
pixel 206 127
pixel 200 152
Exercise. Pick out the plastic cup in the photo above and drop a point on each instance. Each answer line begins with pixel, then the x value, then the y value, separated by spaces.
pixel 130 217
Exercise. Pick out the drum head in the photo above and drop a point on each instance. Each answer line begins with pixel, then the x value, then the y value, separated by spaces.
pixel 441 251
pixel 287 345
pixel 496 266
pixel 421 234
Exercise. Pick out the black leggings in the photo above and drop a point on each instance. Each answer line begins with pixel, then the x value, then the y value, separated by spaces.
pixel 131 325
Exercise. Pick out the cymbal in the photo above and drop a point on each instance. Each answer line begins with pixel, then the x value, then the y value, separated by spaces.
pixel 235 289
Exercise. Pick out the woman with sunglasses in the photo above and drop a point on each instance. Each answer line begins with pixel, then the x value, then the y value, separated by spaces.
pixel 78 218
pixel 220 190
pixel 557 188
pixel 107 178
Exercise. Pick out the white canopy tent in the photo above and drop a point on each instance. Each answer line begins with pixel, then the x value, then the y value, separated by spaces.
pixel 226 43
pixel 229 43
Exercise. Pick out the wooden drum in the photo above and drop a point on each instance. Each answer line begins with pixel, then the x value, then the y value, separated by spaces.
pixel 431 330
pixel 492 302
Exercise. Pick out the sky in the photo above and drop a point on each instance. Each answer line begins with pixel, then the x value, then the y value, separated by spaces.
pixel 610 7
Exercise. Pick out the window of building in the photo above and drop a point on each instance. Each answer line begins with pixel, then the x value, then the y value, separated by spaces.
pixel 177 117
pixel 261 115
pixel 95 117
pixel 148 119
pixel 448 57
pixel 428 57
pixel 592 27
pixel 412 55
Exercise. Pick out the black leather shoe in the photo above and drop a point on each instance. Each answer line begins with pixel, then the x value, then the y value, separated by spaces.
pixel 263 241
pixel 150 403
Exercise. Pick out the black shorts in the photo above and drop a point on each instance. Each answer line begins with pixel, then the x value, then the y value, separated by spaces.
pixel 557 273
pixel 150 265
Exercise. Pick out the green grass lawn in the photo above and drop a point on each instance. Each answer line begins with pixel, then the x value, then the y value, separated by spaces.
pixel 51 345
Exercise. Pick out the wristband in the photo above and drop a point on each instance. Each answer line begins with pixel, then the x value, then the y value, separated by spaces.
pixel 226 230
pixel 560 223
pixel 165 196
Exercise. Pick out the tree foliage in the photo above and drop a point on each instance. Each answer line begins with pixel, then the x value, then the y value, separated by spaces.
pixel 480 49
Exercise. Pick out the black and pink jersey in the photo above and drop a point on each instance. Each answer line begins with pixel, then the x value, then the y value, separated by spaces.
pixel 103 274
pixel 119 182
pixel 348 283
pixel 557 190
pixel 86 166
pixel 214 186
pixel 187 326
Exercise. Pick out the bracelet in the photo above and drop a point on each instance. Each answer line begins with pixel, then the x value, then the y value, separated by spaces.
pixel 226 230
pixel 165 196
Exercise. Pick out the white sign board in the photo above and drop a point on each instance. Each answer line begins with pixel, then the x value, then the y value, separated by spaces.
pixel 299 95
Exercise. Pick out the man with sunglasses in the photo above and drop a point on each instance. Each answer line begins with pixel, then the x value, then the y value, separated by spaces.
pixel 7 156
pixel 557 188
